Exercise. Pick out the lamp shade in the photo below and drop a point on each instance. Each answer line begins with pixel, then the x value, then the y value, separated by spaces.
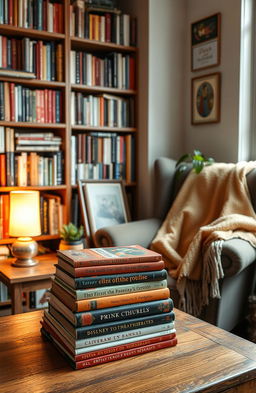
pixel 24 214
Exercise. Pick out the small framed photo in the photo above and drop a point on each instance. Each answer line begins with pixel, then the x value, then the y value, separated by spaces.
pixel 205 99
pixel 205 42
pixel 103 203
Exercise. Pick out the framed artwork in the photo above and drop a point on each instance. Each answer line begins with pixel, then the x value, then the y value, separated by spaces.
pixel 103 203
pixel 205 42
pixel 205 99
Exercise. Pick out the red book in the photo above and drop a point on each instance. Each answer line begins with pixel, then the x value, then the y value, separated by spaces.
pixel 109 256
pixel 108 27
pixel 12 101
pixel 132 73
pixel 46 111
pixel 10 12
pixel 50 117
pixel 108 301
pixel 53 106
pixel 4 51
pixel 2 170
pixel 110 269
pixel 105 351
pixel 14 53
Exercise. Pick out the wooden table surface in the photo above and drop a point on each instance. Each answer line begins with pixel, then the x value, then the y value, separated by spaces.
pixel 43 269
pixel 26 279
pixel 206 359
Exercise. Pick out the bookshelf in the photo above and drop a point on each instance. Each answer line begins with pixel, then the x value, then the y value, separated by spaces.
pixel 81 75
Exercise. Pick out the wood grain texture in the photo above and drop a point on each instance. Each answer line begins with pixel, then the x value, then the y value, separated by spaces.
pixel 206 359
pixel 26 279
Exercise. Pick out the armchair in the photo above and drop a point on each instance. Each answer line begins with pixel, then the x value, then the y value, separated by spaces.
pixel 238 256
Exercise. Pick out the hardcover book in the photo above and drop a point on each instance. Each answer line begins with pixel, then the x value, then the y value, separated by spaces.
pixel 109 280
pixel 109 256
pixel 113 313
pixel 165 328
pixel 104 349
pixel 109 357
pixel 108 301
pixel 111 327
pixel 110 269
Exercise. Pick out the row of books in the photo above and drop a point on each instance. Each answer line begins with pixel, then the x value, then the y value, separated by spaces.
pixel 23 104
pixel 44 59
pixel 104 110
pixel 114 70
pixel 51 214
pixel 102 156
pixel 33 14
pixel 30 168
pixel 102 26
pixel 108 304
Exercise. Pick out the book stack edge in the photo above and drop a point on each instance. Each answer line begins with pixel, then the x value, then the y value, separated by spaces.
pixel 108 304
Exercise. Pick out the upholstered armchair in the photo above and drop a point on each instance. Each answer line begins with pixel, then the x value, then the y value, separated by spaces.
pixel 237 258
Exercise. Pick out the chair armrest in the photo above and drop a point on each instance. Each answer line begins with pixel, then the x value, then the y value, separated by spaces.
pixel 236 255
pixel 136 232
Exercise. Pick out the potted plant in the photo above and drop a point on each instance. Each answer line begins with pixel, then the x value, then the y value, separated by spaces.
pixel 71 237
pixel 196 159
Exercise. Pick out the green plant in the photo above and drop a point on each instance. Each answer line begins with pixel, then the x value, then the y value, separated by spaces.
pixel 197 159
pixel 71 232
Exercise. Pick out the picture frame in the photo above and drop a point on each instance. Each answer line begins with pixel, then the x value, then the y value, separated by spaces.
pixel 103 203
pixel 205 99
pixel 205 42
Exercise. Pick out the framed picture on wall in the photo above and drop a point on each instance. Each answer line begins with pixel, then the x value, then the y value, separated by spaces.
pixel 103 204
pixel 205 99
pixel 205 42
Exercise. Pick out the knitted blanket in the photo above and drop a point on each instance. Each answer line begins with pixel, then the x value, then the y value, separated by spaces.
pixel 210 207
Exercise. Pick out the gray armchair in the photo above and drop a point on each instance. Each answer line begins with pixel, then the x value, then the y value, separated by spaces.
pixel 238 256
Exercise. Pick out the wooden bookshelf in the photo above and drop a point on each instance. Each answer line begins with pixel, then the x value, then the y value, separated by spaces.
pixel 65 128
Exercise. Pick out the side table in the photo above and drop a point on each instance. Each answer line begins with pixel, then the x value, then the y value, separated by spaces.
pixel 25 279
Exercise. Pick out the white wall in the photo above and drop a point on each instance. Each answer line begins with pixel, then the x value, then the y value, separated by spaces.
pixel 161 37
pixel 218 140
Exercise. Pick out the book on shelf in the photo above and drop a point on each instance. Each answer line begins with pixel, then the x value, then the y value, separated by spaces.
pixel 108 301
pixel 104 349
pixel 39 15
pixel 113 313
pixel 100 24
pixel 109 280
pixel 16 73
pixel 80 294
pixel 109 255
pixel 162 329
pixel 23 104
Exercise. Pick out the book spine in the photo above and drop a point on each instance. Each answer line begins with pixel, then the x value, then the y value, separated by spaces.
pixel 91 352
pixel 124 354
pixel 110 280
pixel 123 312
pixel 165 328
pixel 117 327
pixel 118 289
pixel 117 269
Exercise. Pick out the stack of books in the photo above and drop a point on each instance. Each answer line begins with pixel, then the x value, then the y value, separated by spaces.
pixel 108 304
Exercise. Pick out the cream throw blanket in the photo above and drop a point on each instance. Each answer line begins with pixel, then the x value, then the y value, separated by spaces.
pixel 211 207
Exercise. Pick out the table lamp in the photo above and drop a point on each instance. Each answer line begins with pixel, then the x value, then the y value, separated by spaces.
pixel 24 222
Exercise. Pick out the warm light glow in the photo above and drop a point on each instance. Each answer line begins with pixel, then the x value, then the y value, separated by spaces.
pixel 24 213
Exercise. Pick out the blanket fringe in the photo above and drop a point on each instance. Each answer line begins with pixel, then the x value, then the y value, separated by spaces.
pixel 195 294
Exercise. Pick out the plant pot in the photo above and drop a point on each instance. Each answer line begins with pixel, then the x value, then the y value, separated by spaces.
pixel 76 245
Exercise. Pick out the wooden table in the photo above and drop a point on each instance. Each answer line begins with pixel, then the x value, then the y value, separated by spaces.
pixel 25 279
pixel 206 359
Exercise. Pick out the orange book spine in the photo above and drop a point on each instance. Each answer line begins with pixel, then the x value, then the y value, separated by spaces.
pixel 2 170
pixel 114 301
